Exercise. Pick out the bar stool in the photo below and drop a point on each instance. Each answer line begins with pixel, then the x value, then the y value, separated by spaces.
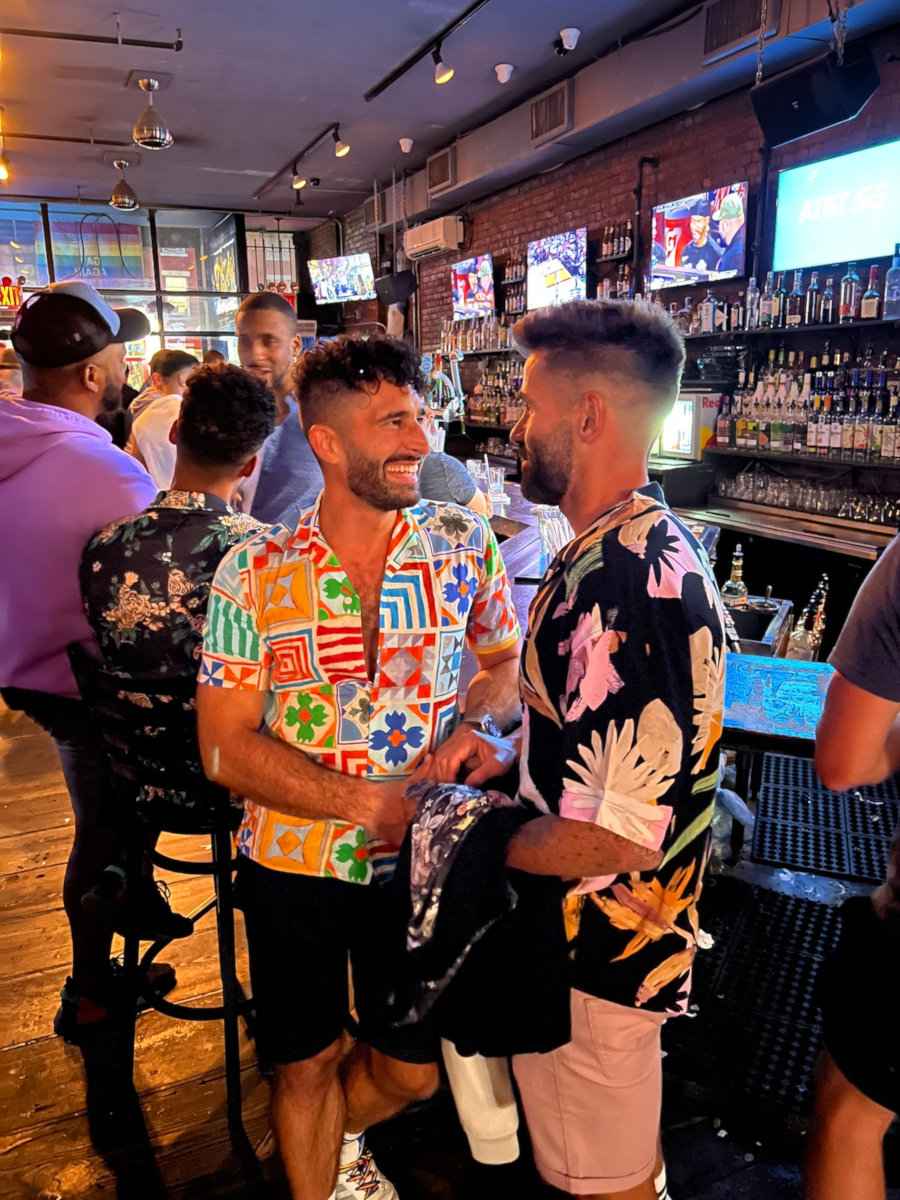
pixel 148 731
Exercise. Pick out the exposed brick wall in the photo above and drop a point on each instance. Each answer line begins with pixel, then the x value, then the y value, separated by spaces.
pixel 323 240
pixel 718 144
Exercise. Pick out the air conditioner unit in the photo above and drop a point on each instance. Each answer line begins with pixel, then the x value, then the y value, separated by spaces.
pixel 552 113
pixel 733 26
pixel 446 233
pixel 373 211
pixel 441 172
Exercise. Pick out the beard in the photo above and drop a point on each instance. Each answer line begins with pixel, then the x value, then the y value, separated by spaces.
pixel 547 468
pixel 111 400
pixel 366 479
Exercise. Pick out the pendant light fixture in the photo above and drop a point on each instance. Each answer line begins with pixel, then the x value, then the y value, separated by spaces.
pixel 341 149
pixel 149 131
pixel 123 195
pixel 443 73
pixel 4 161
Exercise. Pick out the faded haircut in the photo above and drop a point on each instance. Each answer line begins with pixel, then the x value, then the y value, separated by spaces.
pixel 629 338
pixel 347 365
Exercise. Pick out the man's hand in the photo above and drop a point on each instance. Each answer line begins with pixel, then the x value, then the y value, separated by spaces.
pixel 392 809
pixel 481 757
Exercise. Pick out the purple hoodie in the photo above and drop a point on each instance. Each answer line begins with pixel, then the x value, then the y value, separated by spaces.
pixel 61 479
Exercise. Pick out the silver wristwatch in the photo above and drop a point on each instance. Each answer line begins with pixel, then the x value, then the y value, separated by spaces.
pixel 485 724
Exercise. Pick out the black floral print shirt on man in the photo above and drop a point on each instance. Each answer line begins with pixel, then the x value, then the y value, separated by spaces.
pixel 623 681
pixel 145 582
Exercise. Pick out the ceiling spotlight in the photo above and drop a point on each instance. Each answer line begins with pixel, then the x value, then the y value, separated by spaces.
pixel 123 195
pixel 504 71
pixel 442 72
pixel 341 149
pixel 299 182
pixel 149 131
pixel 406 145
pixel 567 40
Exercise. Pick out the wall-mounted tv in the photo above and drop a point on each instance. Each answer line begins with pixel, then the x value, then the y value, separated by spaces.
pixel 557 269
pixel 336 280
pixel 700 238
pixel 840 209
pixel 472 283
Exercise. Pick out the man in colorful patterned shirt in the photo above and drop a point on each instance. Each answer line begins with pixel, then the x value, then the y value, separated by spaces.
pixel 145 580
pixel 330 672
pixel 622 678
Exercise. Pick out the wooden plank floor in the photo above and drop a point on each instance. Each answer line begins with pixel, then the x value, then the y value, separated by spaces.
pixel 49 1149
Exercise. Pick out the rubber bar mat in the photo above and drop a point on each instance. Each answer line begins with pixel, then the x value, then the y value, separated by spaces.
pixel 756 1028
pixel 804 826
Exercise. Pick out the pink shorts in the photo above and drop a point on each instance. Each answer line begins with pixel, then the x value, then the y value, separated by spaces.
pixel 593 1105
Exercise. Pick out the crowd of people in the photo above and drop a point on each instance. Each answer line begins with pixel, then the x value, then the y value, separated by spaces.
pixel 514 867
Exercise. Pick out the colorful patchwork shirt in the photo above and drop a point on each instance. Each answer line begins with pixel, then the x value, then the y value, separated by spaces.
pixel 284 619
pixel 623 677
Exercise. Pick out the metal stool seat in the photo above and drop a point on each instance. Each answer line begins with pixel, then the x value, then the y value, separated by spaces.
pixel 149 735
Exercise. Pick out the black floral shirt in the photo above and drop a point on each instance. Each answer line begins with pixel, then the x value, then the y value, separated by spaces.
pixel 145 582
pixel 623 678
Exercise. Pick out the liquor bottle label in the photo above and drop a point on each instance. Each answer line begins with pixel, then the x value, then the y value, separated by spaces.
pixel 869 309
pixel 861 436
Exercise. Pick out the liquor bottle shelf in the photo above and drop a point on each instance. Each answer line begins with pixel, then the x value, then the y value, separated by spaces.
pixel 844 327
pixel 614 258
pixel 478 353
pixel 819 460
pixel 488 426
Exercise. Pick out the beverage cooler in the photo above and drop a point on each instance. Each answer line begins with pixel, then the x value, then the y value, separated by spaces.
pixel 675 458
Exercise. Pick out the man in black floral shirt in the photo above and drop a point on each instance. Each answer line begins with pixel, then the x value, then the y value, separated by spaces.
pixel 145 580
pixel 623 679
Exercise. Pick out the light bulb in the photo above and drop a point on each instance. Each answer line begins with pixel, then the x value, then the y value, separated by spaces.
pixel 299 182
pixel 4 168
pixel 341 149
pixel 442 72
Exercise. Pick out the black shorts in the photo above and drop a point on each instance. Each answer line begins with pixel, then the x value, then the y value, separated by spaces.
pixel 858 994
pixel 300 932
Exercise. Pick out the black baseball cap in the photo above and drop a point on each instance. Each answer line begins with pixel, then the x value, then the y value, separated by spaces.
pixel 69 322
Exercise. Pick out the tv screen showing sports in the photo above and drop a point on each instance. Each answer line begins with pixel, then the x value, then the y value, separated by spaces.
pixel 700 238
pixel 838 210
pixel 336 280
pixel 472 282
pixel 557 269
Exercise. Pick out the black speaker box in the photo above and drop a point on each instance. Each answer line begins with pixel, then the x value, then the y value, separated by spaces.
pixel 815 95
pixel 395 289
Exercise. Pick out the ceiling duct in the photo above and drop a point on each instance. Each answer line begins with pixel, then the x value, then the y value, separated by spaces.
pixel 441 171
pixel 733 25
pixel 552 113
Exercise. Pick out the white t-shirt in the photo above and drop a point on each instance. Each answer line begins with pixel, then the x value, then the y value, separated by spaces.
pixel 151 434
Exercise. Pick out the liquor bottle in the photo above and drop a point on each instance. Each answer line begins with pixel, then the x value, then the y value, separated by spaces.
pixel 765 303
pixel 725 422
pixel 779 303
pixel 889 429
pixel 812 421
pixel 836 431
pixel 849 419
pixel 823 440
pixel 801 643
pixel 629 236
pixel 870 302
pixel 764 422
pixel 751 311
pixel 734 590
pixel 876 422
pixel 826 309
pixel 812 309
pixel 861 425
pixel 851 291
pixel 736 313
pixel 795 303
pixel 892 287
pixel 708 313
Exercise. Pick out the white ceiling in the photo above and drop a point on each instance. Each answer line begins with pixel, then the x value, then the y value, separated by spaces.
pixel 254 83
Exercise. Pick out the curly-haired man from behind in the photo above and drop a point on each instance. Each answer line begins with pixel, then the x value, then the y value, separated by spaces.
pixel 145 580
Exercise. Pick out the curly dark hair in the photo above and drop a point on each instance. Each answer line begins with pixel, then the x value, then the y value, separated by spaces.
pixel 226 415
pixel 349 364
pixel 626 337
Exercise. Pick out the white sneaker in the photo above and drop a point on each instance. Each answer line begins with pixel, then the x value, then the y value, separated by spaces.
pixel 361 1179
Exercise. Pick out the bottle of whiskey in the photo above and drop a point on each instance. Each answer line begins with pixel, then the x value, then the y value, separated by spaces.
pixel 826 308
pixel 751 311
pixel 734 590
pixel 863 418
pixel 708 313
pixel 812 309
pixel 779 303
pixel 802 642
pixel 851 292
pixel 629 236
pixel 870 303
pixel 795 303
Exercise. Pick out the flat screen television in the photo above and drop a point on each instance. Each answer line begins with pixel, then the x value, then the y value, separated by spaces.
pixel 557 269
pixel 837 210
pixel 472 283
pixel 700 238
pixel 336 280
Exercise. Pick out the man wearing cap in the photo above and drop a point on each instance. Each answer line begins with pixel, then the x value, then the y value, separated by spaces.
pixel 701 252
pixel 62 479
pixel 732 229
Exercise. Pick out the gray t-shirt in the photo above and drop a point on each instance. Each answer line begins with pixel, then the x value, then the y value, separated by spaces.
pixel 867 653
pixel 444 478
